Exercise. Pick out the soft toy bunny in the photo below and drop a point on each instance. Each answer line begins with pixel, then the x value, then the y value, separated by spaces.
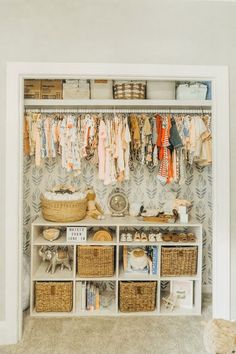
pixel 220 337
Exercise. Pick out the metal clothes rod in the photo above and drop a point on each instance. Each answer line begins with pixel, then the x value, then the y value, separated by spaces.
pixel 121 110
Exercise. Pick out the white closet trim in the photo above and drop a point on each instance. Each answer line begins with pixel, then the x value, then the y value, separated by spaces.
pixel 16 72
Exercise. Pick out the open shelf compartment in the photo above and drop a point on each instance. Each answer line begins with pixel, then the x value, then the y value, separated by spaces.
pixel 95 297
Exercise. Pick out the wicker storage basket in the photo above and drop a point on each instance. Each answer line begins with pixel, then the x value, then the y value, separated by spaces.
pixel 95 261
pixel 53 296
pixel 137 296
pixel 129 90
pixel 177 261
pixel 63 211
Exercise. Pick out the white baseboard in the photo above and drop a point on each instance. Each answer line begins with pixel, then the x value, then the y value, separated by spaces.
pixel 207 289
pixel 7 336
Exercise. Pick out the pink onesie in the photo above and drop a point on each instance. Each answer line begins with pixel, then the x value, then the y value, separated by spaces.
pixel 101 150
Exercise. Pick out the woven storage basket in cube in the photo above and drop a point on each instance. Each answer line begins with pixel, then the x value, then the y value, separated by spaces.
pixel 137 296
pixel 53 296
pixel 95 261
pixel 177 261
pixel 128 90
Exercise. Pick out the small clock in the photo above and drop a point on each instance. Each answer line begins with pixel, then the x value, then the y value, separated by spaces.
pixel 118 203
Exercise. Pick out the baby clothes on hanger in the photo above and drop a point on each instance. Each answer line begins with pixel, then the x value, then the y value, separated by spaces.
pixel 165 172
pixel 120 153
pixel 147 128
pixel 108 154
pixel 26 138
pixel 126 146
pixel 205 156
pixel 175 139
pixel 101 150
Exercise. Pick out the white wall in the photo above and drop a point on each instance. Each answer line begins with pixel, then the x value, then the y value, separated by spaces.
pixel 130 31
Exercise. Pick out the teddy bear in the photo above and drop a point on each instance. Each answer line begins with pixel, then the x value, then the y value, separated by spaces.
pixel 93 208
pixel 220 337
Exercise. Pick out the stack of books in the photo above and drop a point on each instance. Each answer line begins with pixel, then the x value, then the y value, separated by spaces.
pixel 88 296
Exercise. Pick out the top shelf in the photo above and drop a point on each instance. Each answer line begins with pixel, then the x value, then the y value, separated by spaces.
pixel 113 222
pixel 76 103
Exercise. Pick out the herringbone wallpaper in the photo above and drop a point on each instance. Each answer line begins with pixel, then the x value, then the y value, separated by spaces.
pixel 143 186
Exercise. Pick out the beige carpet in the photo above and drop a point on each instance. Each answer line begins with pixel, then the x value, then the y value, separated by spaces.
pixel 133 335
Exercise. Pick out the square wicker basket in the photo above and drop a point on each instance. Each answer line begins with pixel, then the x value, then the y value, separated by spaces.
pixel 128 90
pixel 137 296
pixel 53 296
pixel 95 261
pixel 178 261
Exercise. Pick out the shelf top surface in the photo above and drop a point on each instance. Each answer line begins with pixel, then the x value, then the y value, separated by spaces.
pixel 115 103
pixel 114 221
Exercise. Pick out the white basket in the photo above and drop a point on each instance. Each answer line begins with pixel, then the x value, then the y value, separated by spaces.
pixel 101 89
pixel 191 91
pixel 76 89
pixel 160 90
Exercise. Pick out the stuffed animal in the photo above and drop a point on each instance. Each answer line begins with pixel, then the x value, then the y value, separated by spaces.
pixel 220 337
pixel 93 209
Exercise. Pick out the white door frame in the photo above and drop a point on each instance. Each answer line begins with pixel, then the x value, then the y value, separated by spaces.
pixel 11 328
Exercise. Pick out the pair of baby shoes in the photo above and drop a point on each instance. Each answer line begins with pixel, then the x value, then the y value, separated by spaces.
pixel 126 237
pixel 155 237
pixel 140 236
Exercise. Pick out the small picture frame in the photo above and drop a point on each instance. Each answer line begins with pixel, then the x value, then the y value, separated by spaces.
pixel 76 234
pixel 183 289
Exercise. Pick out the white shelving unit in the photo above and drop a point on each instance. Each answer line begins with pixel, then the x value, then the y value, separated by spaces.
pixel 117 224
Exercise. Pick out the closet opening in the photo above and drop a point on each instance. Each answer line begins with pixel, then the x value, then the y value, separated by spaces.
pixel 118 194
pixel 133 186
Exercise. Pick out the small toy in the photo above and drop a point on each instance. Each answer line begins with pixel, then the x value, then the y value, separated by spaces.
pixel 55 256
pixel 138 259
pixel 170 302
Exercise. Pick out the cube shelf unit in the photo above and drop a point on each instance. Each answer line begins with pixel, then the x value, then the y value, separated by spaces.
pixel 117 225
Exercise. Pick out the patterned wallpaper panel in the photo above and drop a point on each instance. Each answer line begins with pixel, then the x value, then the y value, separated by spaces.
pixel 143 186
